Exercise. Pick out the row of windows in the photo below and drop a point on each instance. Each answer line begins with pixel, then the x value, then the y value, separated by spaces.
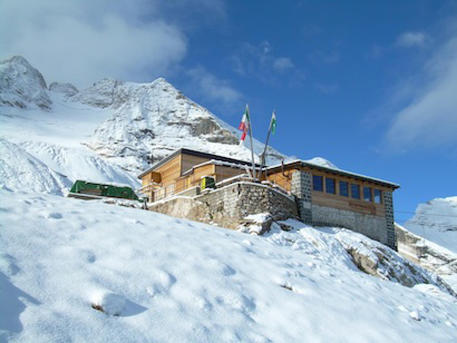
pixel 368 194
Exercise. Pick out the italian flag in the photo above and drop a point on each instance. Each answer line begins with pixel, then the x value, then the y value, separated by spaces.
pixel 244 125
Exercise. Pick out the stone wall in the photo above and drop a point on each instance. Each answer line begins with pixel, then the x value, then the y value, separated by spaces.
pixel 301 188
pixel 389 207
pixel 407 244
pixel 229 205
pixel 425 253
pixel 369 225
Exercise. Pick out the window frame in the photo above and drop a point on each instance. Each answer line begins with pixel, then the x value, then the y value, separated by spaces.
pixel 321 177
pixel 352 191
pixel 347 188
pixel 334 185
pixel 370 189
pixel 380 196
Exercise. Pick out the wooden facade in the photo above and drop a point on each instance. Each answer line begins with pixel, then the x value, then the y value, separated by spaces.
pixel 185 168
pixel 282 176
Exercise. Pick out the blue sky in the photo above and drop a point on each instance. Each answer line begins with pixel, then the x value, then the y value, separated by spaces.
pixel 369 85
pixel 339 74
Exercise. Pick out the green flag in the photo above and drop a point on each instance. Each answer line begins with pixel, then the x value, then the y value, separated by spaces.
pixel 273 123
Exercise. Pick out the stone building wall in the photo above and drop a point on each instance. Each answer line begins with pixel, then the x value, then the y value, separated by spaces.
pixel 228 206
pixel 369 225
pixel 301 188
pixel 389 207
pixel 374 227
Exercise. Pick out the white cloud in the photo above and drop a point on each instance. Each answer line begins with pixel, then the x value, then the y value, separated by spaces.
pixel 283 64
pixel 213 88
pixel 82 41
pixel 260 61
pixel 430 118
pixel 412 39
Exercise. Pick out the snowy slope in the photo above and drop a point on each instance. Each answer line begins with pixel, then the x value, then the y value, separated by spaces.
pixel 436 221
pixel 162 279
pixel 21 171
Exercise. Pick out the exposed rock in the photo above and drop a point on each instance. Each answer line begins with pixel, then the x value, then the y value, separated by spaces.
pixel 259 224
pixel 21 85
pixel 425 253
pixel 379 260
pixel 64 88
pixel 101 94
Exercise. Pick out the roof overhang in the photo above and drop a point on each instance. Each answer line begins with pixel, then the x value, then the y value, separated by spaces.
pixel 335 171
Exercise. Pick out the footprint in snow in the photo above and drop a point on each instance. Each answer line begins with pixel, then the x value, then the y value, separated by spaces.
pixel 163 281
pixel 228 271
pixel 90 257
pixel 54 215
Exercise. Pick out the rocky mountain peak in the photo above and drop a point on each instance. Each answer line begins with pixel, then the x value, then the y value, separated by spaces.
pixel 21 85
pixel 150 120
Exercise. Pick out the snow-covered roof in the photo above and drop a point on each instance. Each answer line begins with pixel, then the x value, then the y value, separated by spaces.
pixel 335 170
pixel 215 159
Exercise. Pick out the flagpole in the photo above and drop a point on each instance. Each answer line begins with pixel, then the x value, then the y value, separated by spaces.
pixel 265 149
pixel 252 145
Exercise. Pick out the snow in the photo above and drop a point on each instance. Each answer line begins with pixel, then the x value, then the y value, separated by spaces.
pixel 110 131
pixel 74 270
pixel 164 279
pixel 64 88
pixel 21 171
pixel 320 161
pixel 54 138
pixel 436 221
pixel 21 85
pixel 151 120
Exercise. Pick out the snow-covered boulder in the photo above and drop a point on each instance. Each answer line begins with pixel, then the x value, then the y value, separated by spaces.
pixel 22 86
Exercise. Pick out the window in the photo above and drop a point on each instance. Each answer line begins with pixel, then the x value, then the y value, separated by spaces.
pixel 344 188
pixel 318 183
pixel 355 191
pixel 367 194
pixel 330 185
pixel 377 196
